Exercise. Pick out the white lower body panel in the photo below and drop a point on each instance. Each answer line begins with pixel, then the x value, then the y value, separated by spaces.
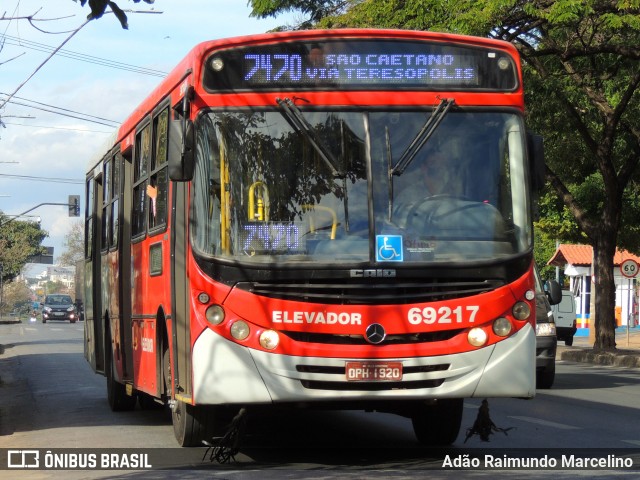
pixel 225 372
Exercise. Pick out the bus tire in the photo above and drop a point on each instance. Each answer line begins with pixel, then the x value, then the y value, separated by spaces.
pixel 116 392
pixel 545 378
pixel 438 424
pixel 191 425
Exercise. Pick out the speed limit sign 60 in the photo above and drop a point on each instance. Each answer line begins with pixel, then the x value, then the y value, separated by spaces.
pixel 629 268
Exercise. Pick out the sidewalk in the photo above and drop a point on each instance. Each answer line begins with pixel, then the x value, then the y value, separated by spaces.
pixel 627 354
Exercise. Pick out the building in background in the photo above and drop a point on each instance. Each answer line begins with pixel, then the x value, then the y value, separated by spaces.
pixel 577 261
pixel 39 276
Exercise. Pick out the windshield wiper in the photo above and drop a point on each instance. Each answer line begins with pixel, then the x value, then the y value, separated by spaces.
pixel 387 142
pixel 295 118
pixel 423 135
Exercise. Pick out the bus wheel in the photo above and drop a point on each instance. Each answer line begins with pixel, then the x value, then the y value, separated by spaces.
pixel 438 424
pixel 116 392
pixel 191 425
pixel 545 378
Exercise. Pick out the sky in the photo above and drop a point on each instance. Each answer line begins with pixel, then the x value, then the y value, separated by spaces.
pixel 56 148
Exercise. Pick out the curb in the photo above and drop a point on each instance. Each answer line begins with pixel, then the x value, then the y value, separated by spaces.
pixel 619 359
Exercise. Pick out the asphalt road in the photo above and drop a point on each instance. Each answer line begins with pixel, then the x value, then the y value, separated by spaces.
pixel 50 399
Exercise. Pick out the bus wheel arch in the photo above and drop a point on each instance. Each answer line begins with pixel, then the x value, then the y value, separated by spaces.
pixel 116 392
pixel 165 389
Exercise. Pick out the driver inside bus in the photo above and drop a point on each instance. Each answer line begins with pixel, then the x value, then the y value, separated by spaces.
pixel 432 174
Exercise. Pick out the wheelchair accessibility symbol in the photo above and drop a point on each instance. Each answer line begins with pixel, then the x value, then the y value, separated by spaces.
pixel 389 248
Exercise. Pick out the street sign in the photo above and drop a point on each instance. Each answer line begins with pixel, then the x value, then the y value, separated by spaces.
pixel 629 268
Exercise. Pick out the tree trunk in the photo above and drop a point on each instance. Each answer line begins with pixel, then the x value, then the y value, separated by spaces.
pixel 605 289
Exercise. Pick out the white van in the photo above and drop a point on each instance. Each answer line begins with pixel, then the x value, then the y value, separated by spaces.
pixel 565 316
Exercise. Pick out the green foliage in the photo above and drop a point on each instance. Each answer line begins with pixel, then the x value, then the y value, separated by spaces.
pixel 16 296
pixel 18 241
pixel 74 245
pixel 556 221
pixel 57 287
pixel 312 10
pixel 544 248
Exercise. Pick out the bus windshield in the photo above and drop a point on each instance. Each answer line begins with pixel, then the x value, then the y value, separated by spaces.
pixel 299 186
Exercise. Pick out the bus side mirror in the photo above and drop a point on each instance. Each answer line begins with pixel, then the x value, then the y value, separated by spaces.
pixel 554 292
pixel 535 146
pixel 181 150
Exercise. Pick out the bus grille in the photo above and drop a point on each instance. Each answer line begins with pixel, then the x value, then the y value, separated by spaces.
pixel 391 339
pixel 371 386
pixel 380 291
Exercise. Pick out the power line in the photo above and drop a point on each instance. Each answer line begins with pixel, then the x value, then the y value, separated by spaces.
pixel 65 112
pixel 15 41
pixel 63 109
pixel 44 179
pixel 55 128
pixel 43 63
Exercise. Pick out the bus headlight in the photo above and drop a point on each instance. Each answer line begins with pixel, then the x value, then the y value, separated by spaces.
pixel 269 339
pixel 502 327
pixel 215 315
pixel 240 330
pixel 521 310
pixel 477 337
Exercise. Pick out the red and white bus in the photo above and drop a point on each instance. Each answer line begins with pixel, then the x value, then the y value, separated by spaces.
pixel 259 231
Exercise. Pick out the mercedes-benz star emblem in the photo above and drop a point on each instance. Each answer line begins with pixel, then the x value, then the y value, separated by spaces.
pixel 375 333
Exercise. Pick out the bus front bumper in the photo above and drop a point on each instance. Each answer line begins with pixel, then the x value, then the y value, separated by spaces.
pixel 227 373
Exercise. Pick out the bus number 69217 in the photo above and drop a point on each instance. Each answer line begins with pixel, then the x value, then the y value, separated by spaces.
pixel 444 314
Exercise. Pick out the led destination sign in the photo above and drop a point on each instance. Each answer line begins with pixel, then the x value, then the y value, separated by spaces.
pixel 359 68
pixel 360 64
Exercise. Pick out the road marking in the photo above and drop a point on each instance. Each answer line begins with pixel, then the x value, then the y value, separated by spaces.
pixel 633 442
pixel 546 423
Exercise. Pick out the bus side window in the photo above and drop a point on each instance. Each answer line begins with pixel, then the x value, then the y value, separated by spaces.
pixel 157 190
pixel 105 204
pixel 141 165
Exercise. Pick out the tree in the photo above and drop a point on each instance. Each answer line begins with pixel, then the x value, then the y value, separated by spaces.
pixel 74 244
pixel 16 295
pixel 313 10
pixel 99 7
pixel 18 242
pixel 581 77
pixel 57 287
pixel 582 64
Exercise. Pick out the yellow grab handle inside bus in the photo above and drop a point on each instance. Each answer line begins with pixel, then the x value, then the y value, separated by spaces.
pixel 330 211
pixel 225 202
pixel 258 202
